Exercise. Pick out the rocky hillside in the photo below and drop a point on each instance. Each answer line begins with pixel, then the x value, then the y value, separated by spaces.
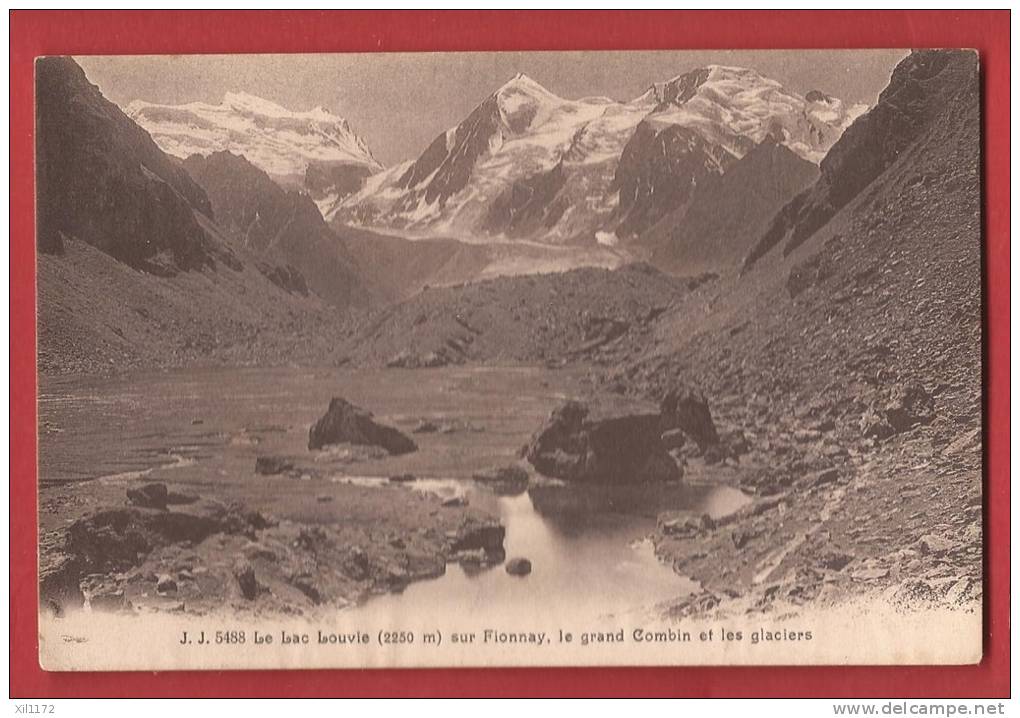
pixel 529 164
pixel 597 315
pixel 102 180
pixel 717 229
pixel 315 151
pixel 132 269
pixel 97 315
pixel 852 366
pixel 918 93
pixel 284 227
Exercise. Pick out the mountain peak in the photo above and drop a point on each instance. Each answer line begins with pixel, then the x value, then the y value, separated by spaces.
pixel 523 84
pixel 251 125
pixel 524 154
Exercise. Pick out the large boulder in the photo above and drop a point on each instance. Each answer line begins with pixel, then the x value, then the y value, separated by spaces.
pixel 346 423
pixel 607 449
pixel 114 538
pixel 686 408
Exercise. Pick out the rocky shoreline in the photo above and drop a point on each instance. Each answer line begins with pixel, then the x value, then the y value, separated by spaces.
pixel 838 510
pixel 309 543
pixel 210 554
pixel 857 528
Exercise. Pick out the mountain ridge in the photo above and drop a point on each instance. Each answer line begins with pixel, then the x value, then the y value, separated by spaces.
pixel 283 226
pixel 716 230
pixel 133 271
pixel 286 144
pixel 102 179
pixel 526 163
pixel 872 144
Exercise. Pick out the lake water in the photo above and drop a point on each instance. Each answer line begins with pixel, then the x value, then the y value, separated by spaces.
pixel 589 549
pixel 588 546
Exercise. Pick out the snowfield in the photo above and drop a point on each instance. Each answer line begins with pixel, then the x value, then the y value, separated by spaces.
pixel 277 140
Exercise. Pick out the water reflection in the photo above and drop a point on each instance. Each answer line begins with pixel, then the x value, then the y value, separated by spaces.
pixel 588 547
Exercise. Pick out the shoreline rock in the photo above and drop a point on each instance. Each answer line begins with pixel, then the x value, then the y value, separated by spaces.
pixel 504 481
pixel 616 448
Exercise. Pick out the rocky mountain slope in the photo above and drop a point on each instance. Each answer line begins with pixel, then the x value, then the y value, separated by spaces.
pixel 852 368
pixel 97 315
pixel 528 164
pixel 597 315
pixel 101 179
pixel 916 96
pixel 715 232
pixel 284 227
pixel 132 270
pixel 315 150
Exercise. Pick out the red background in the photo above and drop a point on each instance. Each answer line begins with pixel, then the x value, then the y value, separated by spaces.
pixel 34 33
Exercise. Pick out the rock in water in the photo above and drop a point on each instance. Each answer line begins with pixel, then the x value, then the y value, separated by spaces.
pixel 150 496
pixel 518 567
pixel 346 423
pixel 504 481
pixel 621 448
pixel 686 408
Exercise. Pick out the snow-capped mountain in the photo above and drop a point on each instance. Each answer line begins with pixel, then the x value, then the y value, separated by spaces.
pixel 527 163
pixel 730 105
pixel 315 150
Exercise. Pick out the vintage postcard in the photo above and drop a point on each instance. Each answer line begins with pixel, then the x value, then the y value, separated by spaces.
pixel 509 359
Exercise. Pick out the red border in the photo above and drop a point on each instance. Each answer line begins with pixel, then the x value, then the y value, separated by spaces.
pixel 34 33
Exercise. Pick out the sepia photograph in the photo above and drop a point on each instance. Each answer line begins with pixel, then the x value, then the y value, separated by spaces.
pixel 556 358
